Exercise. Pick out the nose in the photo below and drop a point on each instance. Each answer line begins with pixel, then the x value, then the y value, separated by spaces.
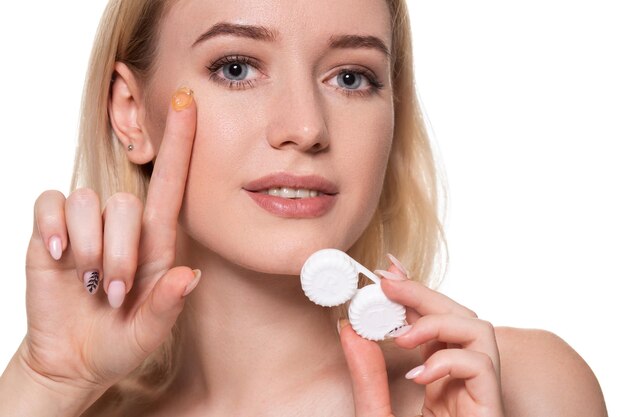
pixel 296 118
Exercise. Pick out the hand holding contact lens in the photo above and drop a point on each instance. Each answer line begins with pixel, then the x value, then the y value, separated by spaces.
pixel 330 277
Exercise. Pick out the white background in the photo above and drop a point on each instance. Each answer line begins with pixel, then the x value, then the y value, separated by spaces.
pixel 526 102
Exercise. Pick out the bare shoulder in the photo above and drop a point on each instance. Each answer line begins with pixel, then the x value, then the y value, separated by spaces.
pixel 543 376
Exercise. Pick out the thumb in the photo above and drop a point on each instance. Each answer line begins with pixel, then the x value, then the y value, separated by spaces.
pixel 156 317
pixel 368 371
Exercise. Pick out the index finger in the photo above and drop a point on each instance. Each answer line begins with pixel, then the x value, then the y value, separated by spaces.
pixel 167 184
pixel 422 299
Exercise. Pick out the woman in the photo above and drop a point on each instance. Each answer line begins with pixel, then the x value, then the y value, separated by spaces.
pixel 294 127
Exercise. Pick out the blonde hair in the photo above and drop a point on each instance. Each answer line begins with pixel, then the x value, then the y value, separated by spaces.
pixel 406 222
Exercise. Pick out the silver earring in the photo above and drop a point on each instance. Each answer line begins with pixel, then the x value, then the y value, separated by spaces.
pixel 130 147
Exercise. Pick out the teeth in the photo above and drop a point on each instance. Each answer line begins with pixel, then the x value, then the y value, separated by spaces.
pixel 288 192
pixel 303 193
pixel 285 192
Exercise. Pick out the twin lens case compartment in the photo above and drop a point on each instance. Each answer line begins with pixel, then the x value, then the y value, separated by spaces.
pixel 330 277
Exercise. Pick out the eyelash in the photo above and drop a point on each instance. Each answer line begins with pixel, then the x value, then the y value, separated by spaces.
pixel 374 85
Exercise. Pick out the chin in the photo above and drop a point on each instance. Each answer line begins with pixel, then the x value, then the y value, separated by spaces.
pixel 284 257
pixel 276 253
pixel 266 244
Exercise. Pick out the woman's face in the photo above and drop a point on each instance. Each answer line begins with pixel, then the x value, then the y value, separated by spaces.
pixel 290 94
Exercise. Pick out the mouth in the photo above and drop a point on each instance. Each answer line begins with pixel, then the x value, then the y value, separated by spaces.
pixel 286 185
pixel 291 193
pixel 294 196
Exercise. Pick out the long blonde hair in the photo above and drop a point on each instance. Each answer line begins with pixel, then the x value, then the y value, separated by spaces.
pixel 406 222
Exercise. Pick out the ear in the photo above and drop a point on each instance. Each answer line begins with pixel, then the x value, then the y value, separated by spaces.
pixel 127 115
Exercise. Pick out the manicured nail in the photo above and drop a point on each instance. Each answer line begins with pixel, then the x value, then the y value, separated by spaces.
pixel 341 323
pixel 116 293
pixel 399 331
pixel 415 372
pixel 194 282
pixel 182 98
pixel 55 247
pixel 91 280
pixel 390 275
pixel 397 263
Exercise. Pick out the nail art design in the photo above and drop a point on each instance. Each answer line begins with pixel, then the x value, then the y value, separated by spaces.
pixel 92 280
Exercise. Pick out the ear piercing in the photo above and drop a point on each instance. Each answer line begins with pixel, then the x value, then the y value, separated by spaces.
pixel 130 147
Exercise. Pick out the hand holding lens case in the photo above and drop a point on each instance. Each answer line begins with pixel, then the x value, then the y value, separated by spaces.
pixel 330 277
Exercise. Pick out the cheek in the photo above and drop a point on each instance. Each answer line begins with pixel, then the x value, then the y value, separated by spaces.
pixel 224 147
pixel 364 154
pixel 230 149
pixel 228 152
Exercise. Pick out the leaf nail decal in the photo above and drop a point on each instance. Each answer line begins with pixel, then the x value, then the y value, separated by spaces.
pixel 92 279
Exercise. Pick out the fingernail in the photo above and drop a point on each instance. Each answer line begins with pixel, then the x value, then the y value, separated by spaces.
pixel 415 372
pixel 91 280
pixel 390 275
pixel 341 323
pixel 399 331
pixel 55 247
pixel 182 98
pixel 194 283
pixel 397 263
pixel 116 293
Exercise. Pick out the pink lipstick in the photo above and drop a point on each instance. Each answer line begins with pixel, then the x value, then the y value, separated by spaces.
pixel 293 196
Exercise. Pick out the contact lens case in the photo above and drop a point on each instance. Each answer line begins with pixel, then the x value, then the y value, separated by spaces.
pixel 329 278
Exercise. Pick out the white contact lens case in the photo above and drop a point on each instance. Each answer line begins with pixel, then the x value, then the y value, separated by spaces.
pixel 330 277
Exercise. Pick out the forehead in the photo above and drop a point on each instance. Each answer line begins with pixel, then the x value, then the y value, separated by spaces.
pixel 298 21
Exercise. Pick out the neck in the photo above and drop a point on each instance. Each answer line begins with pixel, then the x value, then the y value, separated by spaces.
pixel 249 336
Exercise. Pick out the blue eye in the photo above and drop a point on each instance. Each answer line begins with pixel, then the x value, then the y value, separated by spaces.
pixel 235 71
pixel 356 81
pixel 241 72
pixel 238 72
pixel 349 80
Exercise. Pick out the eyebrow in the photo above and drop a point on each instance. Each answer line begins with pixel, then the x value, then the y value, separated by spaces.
pixel 261 33
pixel 358 41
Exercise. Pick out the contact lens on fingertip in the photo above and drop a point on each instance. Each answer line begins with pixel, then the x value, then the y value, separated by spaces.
pixel 329 277
pixel 372 315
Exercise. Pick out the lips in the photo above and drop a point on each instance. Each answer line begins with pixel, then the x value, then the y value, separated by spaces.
pixel 284 180
pixel 314 196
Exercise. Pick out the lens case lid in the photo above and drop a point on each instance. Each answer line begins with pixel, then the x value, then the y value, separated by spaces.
pixel 373 315
pixel 330 277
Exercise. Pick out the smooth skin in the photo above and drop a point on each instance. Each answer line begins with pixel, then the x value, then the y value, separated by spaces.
pixel 250 336
pixel 463 381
